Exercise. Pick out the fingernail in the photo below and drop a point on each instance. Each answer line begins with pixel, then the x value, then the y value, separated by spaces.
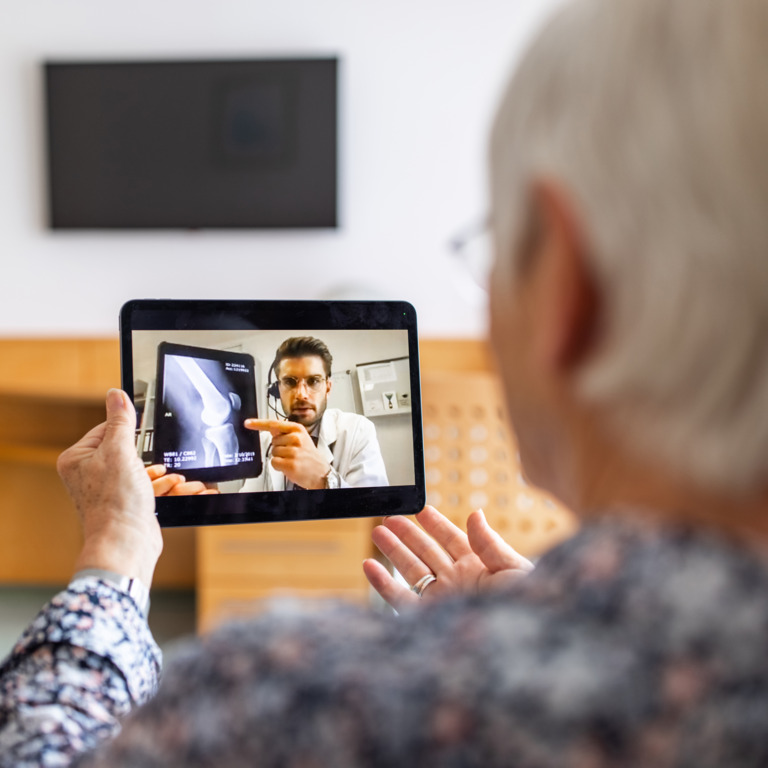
pixel 479 510
pixel 115 399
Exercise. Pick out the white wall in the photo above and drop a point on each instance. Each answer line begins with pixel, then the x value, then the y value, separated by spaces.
pixel 419 79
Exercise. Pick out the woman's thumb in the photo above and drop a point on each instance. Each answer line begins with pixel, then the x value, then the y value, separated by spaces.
pixel 121 416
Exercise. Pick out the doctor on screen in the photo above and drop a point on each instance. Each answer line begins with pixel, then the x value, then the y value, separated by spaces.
pixel 314 446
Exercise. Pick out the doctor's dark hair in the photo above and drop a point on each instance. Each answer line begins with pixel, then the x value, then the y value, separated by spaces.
pixel 303 346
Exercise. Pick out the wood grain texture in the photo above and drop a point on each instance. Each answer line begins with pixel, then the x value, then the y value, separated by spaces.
pixel 80 370
pixel 51 393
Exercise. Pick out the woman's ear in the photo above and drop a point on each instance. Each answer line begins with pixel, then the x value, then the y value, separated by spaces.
pixel 567 294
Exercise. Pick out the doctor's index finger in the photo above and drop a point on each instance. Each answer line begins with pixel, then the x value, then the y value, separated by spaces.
pixel 273 426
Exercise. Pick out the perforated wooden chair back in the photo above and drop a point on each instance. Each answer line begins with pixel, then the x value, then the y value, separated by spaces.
pixel 471 461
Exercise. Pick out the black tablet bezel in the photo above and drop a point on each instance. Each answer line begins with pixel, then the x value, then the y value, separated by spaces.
pixel 248 440
pixel 273 506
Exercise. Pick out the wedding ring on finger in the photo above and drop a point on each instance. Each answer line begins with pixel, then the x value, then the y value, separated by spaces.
pixel 419 587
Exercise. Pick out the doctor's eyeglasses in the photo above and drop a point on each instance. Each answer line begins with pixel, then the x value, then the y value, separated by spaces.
pixel 314 383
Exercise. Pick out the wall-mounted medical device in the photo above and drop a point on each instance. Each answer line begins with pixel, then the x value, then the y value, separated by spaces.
pixel 385 387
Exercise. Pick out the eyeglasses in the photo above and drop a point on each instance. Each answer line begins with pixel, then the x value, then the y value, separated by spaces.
pixel 473 249
pixel 314 383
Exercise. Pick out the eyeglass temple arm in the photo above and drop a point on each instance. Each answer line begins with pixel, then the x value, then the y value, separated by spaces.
pixel 460 240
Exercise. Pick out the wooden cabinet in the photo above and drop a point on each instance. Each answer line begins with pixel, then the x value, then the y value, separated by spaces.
pixel 239 564
pixel 51 393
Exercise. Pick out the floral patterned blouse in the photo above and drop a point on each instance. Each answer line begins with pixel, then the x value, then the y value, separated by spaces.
pixel 630 645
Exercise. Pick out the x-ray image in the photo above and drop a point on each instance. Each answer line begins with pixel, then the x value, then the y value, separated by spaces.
pixel 204 396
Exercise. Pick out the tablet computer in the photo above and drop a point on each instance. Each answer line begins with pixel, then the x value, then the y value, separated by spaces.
pixel 284 410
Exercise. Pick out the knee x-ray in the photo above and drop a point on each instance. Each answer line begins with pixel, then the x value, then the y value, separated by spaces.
pixel 203 398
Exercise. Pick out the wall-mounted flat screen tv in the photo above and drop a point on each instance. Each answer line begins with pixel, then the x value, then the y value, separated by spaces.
pixel 192 144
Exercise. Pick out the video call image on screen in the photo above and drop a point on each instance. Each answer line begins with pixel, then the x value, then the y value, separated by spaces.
pixel 194 390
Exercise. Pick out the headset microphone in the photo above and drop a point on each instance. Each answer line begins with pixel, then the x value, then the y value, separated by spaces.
pixel 273 391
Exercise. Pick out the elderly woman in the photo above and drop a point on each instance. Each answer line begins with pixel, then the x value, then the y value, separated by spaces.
pixel 629 185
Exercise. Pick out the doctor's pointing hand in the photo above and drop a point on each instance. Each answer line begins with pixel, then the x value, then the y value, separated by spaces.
pixel 294 453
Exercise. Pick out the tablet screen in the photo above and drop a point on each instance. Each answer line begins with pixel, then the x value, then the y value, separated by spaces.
pixel 279 410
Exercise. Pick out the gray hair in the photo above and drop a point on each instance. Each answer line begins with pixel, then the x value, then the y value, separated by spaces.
pixel 653 116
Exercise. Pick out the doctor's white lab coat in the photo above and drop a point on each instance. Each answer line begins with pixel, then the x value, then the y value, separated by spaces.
pixel 347 440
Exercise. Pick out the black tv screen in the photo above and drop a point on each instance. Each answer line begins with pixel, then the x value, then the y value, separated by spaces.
pixel 192 144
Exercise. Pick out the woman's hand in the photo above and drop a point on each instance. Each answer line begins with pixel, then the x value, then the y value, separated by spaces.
pixel 164 484
pixel 461 562
pixel 113 496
